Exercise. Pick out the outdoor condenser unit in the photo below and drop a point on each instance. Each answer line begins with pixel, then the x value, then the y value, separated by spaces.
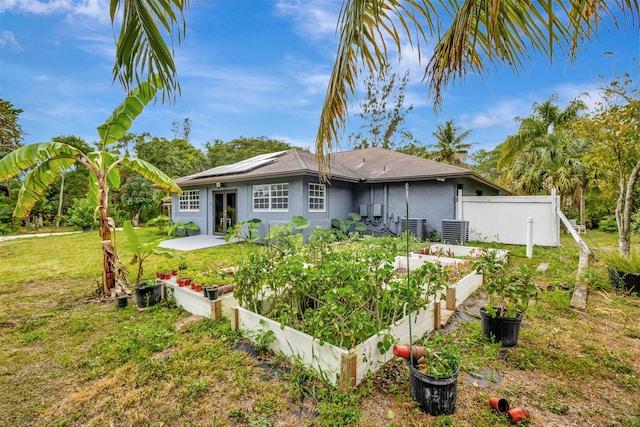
pixel 455 231
pixel 417 227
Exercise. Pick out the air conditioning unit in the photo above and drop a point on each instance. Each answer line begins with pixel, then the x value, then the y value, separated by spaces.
pixel 455 232
pixel 417 227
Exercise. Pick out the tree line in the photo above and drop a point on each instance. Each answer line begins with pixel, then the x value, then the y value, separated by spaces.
pixel 66 201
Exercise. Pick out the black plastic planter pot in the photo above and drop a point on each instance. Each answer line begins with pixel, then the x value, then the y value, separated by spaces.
pixel 503 329
pixel 624 281
pixel 148 295
pixel 212 293
pixel 435 396
pixel 122 301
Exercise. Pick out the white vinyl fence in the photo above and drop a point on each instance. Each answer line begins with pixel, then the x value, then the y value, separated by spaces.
pixel 504 218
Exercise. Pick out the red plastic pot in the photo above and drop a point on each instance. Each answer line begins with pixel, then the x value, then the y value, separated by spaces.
pixel 499 404
pixel 174 272
pixel 197 288
pixel 182 282
pixel 517 414
pixel 403 351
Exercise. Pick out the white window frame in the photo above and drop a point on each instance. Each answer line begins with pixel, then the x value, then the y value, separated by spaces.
pixel 271 195
pixel 189 201
pixel 315 198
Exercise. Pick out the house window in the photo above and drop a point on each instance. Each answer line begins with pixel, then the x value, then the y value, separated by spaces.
pixel 271 197
pixel 316 197
pixel 189 201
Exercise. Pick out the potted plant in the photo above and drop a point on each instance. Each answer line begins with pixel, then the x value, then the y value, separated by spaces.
pixel 510 292
pixel 148 293
pixel 180 229
pixel 141 252
pixel 624 272
pixel 434 376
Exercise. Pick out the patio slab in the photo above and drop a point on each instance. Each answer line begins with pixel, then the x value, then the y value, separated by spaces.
pixel 192 243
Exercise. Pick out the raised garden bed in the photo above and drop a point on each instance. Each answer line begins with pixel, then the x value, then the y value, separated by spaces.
pixel 338 365
pixel 196 303
pixel 350 367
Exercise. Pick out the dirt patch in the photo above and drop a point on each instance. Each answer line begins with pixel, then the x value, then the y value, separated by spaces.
pixel 183 323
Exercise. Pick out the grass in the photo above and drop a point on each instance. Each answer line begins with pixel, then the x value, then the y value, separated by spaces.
pixel 68 359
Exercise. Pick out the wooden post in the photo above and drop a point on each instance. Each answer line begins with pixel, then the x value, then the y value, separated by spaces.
pixel 216 309
pixel 451 299
pixel 579 297
pixel 163 292
pixel 348 371
pixel 436 315
pixel 235 324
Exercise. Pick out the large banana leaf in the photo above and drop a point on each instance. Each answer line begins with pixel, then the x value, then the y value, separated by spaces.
pixel 120 121
pixel 151 173
pixel 30 155
pixel 36 183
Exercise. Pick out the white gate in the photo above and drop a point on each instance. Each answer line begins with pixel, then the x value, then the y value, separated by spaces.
pixel 504 218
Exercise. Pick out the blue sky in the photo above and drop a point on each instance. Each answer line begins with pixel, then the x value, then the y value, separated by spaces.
pixel 257 68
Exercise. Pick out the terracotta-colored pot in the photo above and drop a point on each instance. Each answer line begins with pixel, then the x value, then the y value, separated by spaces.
pixel 197 288
pixel 159 275
pixel 403 351
pixel 174 272
pixel 226 289
pixel 517 414
pixel 500 404
pixel 182 282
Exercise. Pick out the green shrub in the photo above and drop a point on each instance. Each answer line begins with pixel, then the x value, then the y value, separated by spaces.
pixel 608 224
pixel 81 214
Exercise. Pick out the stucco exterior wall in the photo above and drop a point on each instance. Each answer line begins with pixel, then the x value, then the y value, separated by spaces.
pixel 432 200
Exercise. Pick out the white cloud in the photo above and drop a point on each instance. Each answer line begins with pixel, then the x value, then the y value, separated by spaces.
pixel 312 20
pixel 7 38
pixel 501 113
pixel 98 9
pixel 590 94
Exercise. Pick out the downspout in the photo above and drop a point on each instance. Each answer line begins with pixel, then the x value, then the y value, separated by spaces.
pixel 385 209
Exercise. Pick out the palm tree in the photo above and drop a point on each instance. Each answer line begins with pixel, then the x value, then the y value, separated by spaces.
pixel 47 160
pixel 554 161
pixel 479 34
pixel 450 148
pixel 547 118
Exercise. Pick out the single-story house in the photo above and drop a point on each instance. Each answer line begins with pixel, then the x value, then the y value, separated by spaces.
pixel 275 187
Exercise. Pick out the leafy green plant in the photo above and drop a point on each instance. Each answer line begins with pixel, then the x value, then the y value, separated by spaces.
pixel 510 291
pixel 244 231
pixel 630 264
pixel 143 250
pixel 162 222
pixel 180 228
pixel 442 358
pixel 341 295
pixel 81 214
pixel 352 227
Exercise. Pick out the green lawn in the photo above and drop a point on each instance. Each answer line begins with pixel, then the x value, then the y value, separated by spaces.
pixel 67 358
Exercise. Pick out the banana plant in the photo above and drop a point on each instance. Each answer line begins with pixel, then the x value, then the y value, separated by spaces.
pixel 45 161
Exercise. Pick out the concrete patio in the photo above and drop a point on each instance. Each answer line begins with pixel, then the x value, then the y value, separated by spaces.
pixel 192 243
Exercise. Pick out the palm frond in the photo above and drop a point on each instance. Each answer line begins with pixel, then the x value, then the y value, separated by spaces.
pixel 363 26
pixel 141 49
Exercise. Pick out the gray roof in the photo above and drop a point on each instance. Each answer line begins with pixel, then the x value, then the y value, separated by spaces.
pixel 370 165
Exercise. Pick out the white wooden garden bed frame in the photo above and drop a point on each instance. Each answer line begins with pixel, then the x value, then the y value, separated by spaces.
pixel 338 365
